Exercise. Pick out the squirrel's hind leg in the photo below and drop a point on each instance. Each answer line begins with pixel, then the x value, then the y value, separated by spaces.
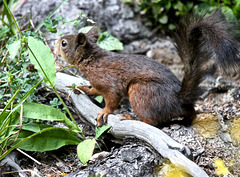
pixel 153 102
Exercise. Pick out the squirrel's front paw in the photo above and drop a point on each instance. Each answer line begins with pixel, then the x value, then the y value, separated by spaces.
pixel 80 89
pixel 102 118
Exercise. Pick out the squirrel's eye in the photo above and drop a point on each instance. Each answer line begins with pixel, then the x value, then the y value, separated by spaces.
pixel 64 43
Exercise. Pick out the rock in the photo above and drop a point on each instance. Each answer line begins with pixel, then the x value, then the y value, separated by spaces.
pixel 63 167
pixel 226 137
pixel 133 159
pixel 121 19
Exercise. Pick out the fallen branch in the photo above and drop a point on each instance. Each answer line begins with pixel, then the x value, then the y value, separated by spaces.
pixel 164 144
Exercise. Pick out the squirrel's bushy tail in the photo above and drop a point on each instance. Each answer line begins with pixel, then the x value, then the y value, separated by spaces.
pixel 205 43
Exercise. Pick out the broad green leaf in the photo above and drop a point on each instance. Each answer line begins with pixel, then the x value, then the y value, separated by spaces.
pixel 108 42
pixel 13 48
pixel 85 29
pixel 33 127
pixel 47 140
pixel 99 99
pixel 44 58
pixel 44 112
pixel 101 130
pixel 85 150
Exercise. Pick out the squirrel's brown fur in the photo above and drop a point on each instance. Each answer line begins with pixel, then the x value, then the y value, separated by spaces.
pixel 154 92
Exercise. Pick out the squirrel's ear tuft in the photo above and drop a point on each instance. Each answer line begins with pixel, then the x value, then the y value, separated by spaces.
pixel 81 39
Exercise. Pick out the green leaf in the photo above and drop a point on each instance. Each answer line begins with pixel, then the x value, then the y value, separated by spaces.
pixel 58 18
pixel 53 30
pixel 47 22
pixel 85 29
pixel 171 26
pixel 108 42
pixel 99 99
pixel 77 23
pixel 3 32
pixel 5 128
pixel 49 28
pixel 168 5
pixel 3 118
pixel 55 102
pixel 55 23
pixel 33 127
pixel 73 85
pixel 85 150
pixel 163 19
pixel 179 6
pixel 13 48
pixel 44 112
pixel 45 63
pixel 101 130
pixel 47 140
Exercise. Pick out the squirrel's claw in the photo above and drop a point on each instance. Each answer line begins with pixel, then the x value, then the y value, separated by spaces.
pixel 102 118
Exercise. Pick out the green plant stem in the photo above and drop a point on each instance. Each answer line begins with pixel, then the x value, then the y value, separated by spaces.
pixel 67 110
pixel 67 68
pixel 11 17
pixel 54 89
pixel 9 103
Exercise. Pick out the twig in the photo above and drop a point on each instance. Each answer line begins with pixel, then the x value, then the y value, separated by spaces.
pixel 20 126
pixel 31 171
pixel 31 21
pixel 4 57
pixel 30 157
pixel 10 89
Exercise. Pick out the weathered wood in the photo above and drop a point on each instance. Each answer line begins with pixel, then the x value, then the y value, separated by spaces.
pixel 164 144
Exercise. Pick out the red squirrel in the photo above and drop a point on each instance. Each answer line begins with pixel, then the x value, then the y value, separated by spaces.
pixel 155 93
